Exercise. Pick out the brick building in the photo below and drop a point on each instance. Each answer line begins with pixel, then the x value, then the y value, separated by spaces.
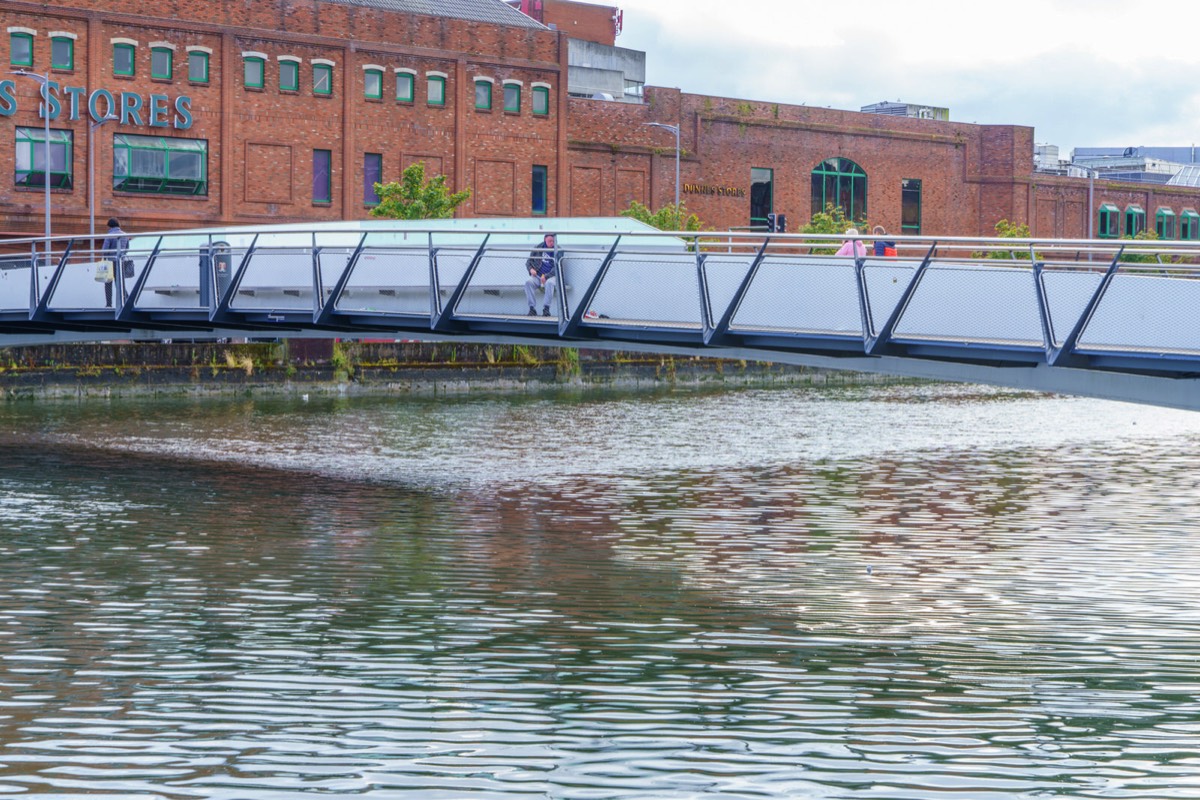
pixel 231 112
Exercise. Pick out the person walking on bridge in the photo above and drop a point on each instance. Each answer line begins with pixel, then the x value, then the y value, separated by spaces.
pixel 542 266
pixel 116 244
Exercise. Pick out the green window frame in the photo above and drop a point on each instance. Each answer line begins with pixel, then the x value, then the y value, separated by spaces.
pixel 31 158
pixel 254 72
pixel 405 86
pixel 198 66
pixel 762 195
pixel 541 101
pixel 841 183
pixel 1135 220
pixel 322 183
pixel 512 98
pixel 1110 222
pixel 20 49
pixel 539 189
pixel 1189 225
pixel 483 95
pixel 910 207
pixel 322 79
pixel 435 91
pixel 1164 223
pixel 373 84
pixel 289 76
pixel 162 63
pixel 62 53
pixel 124 59
pixel 160 165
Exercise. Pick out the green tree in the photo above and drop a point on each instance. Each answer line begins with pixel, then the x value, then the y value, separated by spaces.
pixel 413 197
pixel 1009 230
pixel 832 221
pixel 1141 258
pixel 668 218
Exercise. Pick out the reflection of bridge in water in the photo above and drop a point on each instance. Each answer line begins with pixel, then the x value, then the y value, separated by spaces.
pixel 1080 317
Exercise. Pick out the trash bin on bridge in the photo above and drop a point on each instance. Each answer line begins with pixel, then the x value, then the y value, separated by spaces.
pixel 215 261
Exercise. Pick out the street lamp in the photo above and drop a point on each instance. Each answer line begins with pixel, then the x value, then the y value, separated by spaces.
pixel 92 175
pixel 44 80
pixel 675 130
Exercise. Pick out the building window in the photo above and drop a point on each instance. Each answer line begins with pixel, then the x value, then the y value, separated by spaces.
pixel 62 53
pixel 372 174
pixel 322 79
pixel 1110 222
pixel 20 49
pixel 404 87
pixel 373 84
pixel 1189 225
pixel 841 183
pixel 289 76
pixel 512 97
pixel 198 66
pixel 322 174
pixel 539 189
pixel 483 95
pixel 254 71
pixel 160 165
pixel 762 194
pixel 1135 220
pixel 635 89
pixel 31 158
pixel 162 64
pixel 123 62
pixel 910 207
pixel 541 100
pixel 436 91
pixel 1164 223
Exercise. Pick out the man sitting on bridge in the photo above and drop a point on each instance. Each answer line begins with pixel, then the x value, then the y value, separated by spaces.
pixel 542 266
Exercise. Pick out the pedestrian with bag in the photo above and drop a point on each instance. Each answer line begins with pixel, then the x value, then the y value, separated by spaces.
pixel 116 245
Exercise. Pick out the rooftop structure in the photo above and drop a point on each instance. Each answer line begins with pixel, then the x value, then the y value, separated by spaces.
pixel 899 109
pixel 494 11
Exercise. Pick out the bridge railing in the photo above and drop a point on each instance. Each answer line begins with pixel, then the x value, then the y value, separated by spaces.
pixel 1054 300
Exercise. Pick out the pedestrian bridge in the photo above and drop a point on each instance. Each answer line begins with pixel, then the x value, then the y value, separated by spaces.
pixel 1104 318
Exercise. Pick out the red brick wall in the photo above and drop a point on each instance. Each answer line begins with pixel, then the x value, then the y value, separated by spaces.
pixel 586 21
pixel 722 139
pixel 261 141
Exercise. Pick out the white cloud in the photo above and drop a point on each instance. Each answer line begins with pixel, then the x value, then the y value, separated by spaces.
pixel 1081 72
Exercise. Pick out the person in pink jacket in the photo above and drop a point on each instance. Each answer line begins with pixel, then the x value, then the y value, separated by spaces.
pixel 852 247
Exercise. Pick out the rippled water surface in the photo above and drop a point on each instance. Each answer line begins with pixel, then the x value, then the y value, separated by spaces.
pixel 930 592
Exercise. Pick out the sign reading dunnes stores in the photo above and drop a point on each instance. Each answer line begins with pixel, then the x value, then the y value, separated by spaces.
pixel 720 191
pixel 130 108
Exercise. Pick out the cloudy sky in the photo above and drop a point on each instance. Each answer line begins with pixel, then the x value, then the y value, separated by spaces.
pixel 1080 72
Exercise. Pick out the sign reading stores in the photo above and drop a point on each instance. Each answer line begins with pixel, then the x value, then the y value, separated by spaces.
pixel 130 108
pixel 720 191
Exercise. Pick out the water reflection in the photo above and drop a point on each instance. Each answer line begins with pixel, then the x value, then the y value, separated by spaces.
pixel 877 593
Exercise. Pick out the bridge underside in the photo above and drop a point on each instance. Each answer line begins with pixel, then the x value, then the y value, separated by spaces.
pixel 1077 318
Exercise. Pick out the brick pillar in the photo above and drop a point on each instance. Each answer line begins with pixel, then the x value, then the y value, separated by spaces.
pixel 229 57
pixel 461 81
pixel 349 148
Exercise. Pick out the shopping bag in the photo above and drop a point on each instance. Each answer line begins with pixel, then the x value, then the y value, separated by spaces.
pixel 104 272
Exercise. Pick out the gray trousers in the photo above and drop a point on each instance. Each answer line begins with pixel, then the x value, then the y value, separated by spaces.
pixel 531 287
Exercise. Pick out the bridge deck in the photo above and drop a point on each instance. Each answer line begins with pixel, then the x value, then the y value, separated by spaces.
pixel 954 307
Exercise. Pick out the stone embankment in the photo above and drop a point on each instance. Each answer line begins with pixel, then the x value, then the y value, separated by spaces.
pixel 325 366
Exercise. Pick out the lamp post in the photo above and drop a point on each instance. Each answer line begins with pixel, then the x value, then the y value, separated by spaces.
pixel 675 130
pixel 92 175
pixel 44 80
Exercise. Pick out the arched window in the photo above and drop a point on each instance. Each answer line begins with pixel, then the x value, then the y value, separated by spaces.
pixel 840 182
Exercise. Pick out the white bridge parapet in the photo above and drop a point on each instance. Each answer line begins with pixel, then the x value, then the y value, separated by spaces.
pixel 964 308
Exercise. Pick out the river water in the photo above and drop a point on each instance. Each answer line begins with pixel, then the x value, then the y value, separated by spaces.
pixel 882 592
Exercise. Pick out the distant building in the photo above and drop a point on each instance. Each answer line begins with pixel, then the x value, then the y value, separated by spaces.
pixel 908 110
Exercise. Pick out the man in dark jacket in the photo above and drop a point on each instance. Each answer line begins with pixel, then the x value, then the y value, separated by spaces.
pixel 542 266
pixel 116 244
